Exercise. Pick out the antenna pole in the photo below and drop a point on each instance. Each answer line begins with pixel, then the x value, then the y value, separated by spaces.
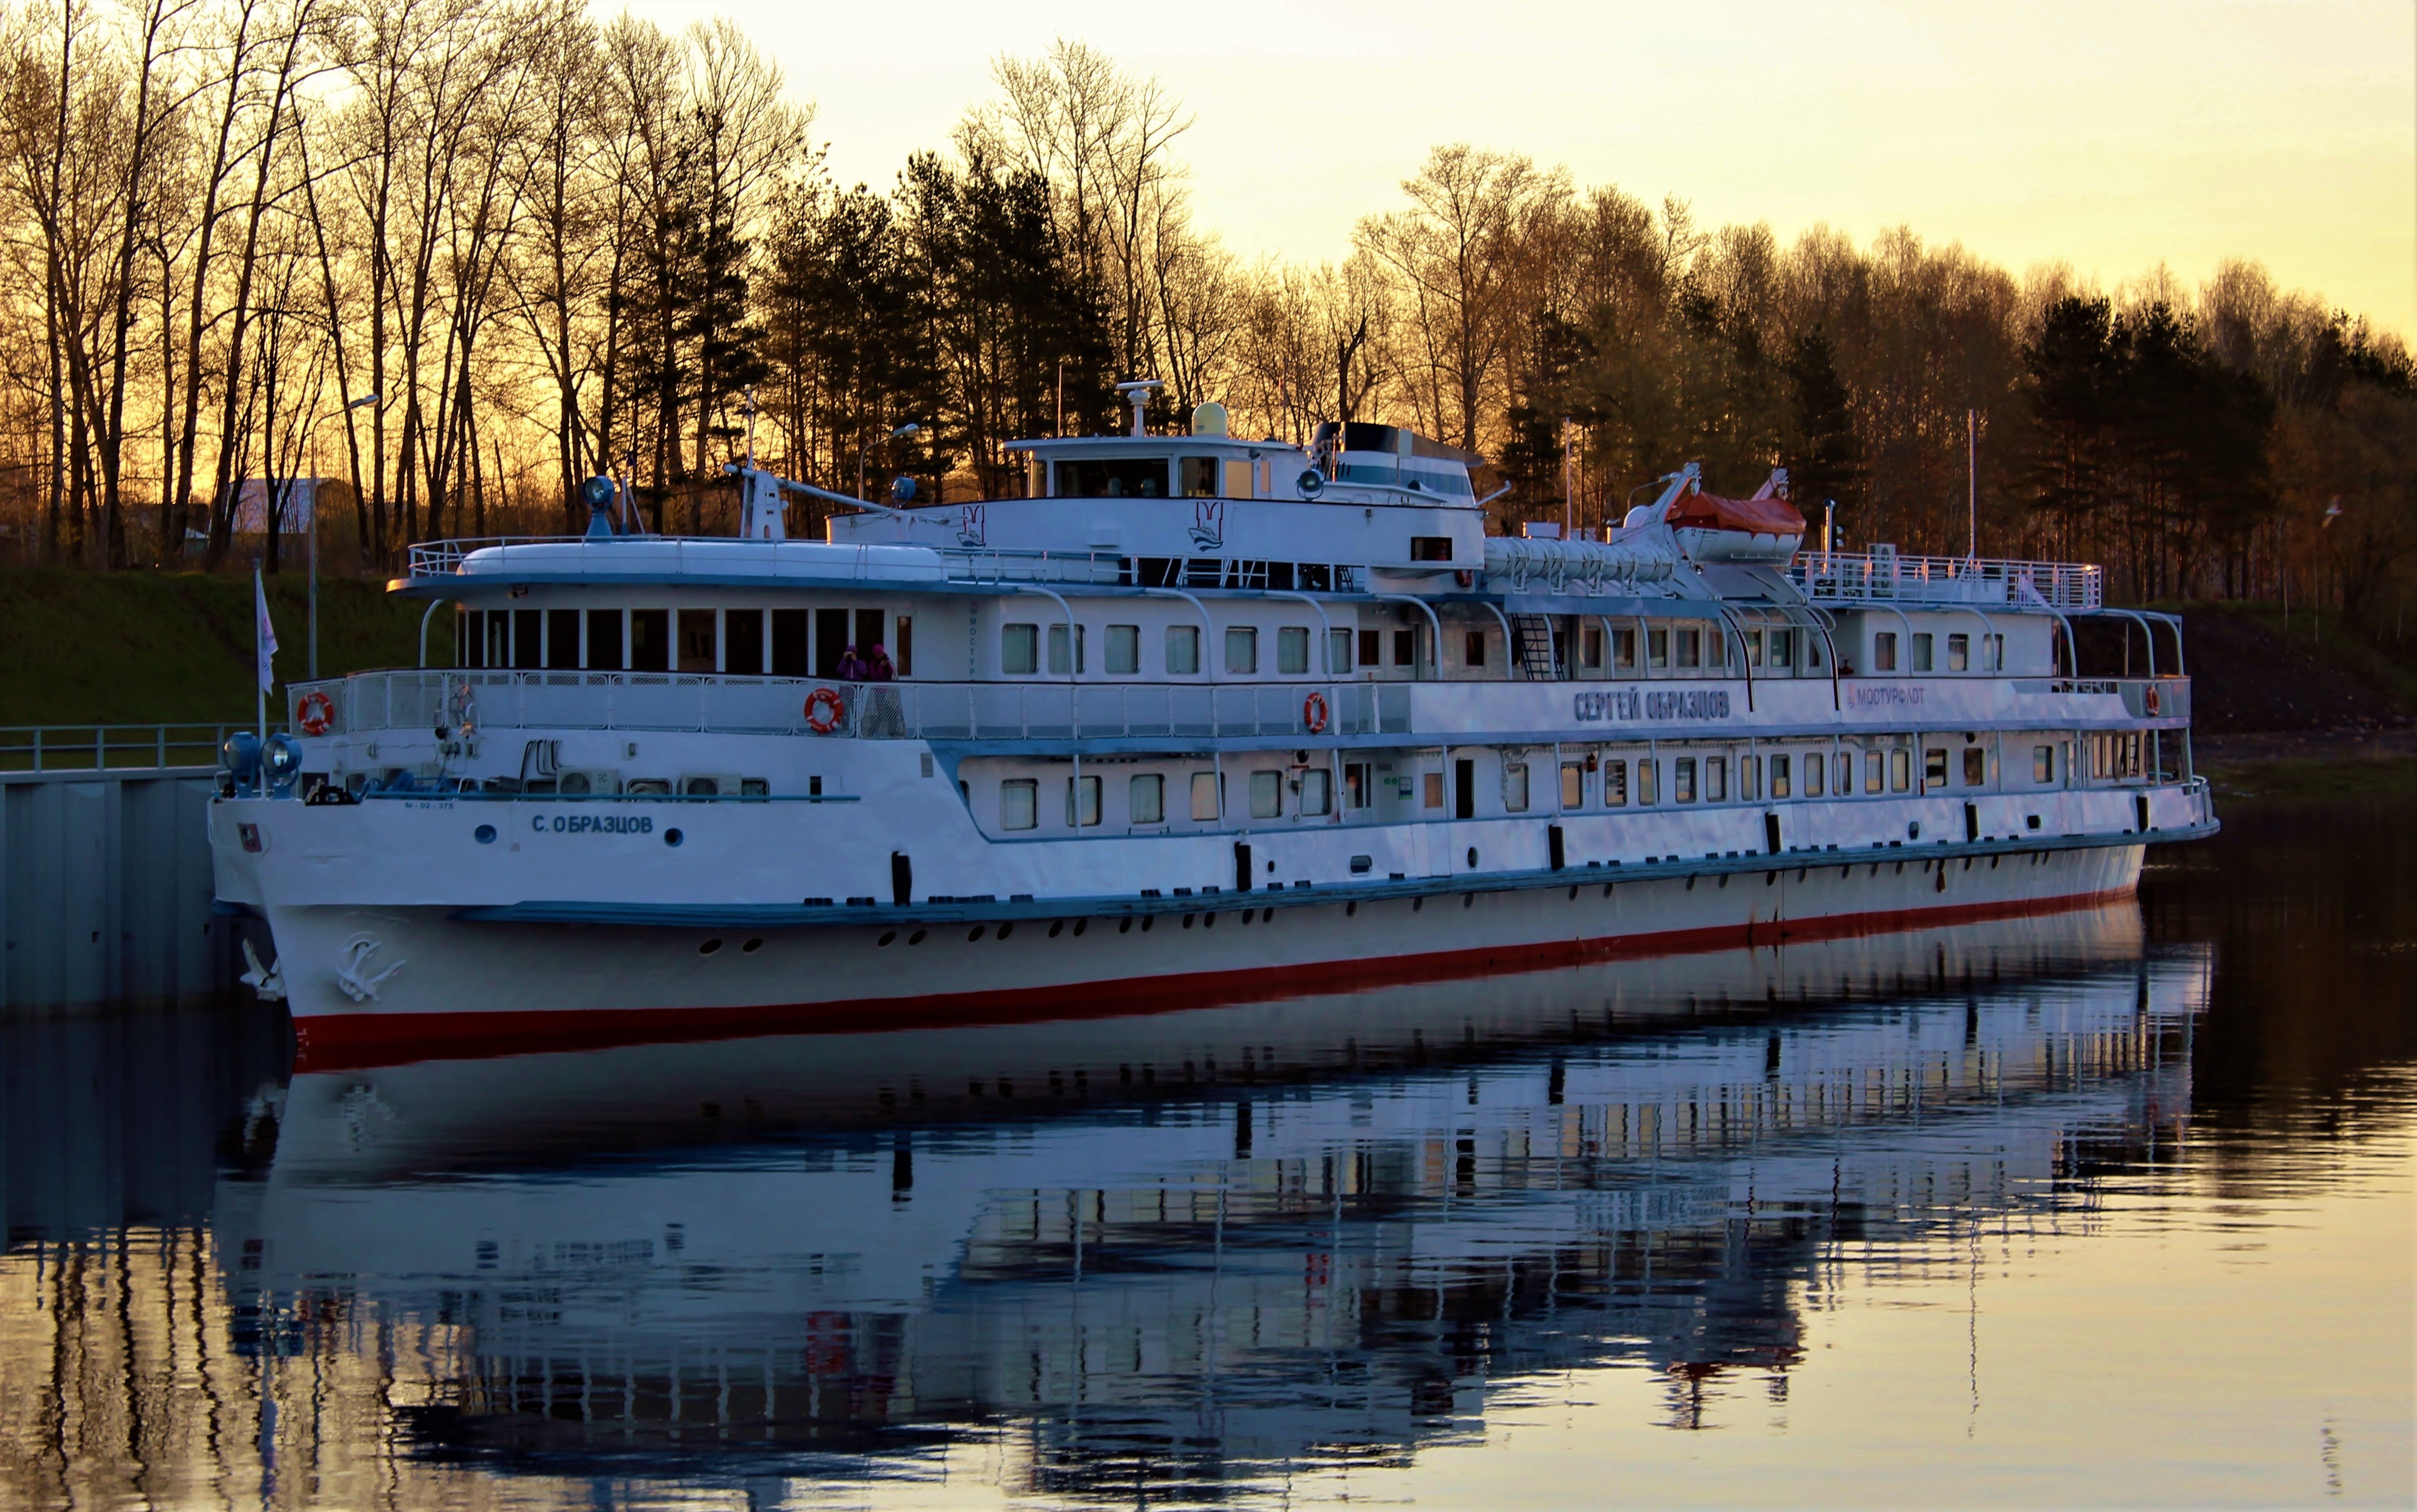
pixel 1972 482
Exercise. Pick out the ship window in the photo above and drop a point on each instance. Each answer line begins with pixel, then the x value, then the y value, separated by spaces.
pixel 868 632
pixel 1358 791
pixel 1111 478
pixel 1754 647
pixel 1572 785
pixel 1884 651
pixel 1515 786
pixel 1081 800
pixel 1267 794
pixel 1292 650
pixel 1242 650
pixel 1019 649
pixel 1901 768
pixel 1993 653
pixel 1430 548
pixel 1237 478
pixel 1590 647
pixel 1431 791
pixel 1123 651
pixel 902 660
pixel 1473 650
pixel 1682 780
pixel 1783 648
pixel 1976 766
pixel 1623 648
pixel 1058 656
pixel 1017 808
pixel 830 641
pixel 792 656
pixel 604 639
pixel 1812 653
pixel 1657 646
pixel 526 627
pixel 468 625
pixel 2043 763
pixel 697 638
pixel 1781 784
pixel 1316 791
pixel 1648 782
pixel 1145 799
pixel 1372 648
pixel 1691 648
pixel 1874 772
pixel 743 642
pixel 650 640
pixel 562 638
pixel 1615 784
pixel 1716 779
pixel 1749 778
pixel 1959 652
pixel 1405 647
pixel 1199 475
pixel 1182 651
pixel 1843 771
pixel 1338 652
pixel 1921 662
pixel 1204 804
pixel 1716 646
pixel 1934 768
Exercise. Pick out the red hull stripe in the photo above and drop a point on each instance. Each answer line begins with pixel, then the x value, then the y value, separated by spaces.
pixel 353 1042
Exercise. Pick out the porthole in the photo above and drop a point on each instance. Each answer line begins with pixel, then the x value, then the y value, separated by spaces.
pixel 484 834
pixel 1208 921
pixel 1350 910
pixel 1124 927
pixel 887 936
pixel 1913 830
pixel 915 939
pixel 1146 923
pixel 708 947
pixel 1055 927
pixel 751 947
pixel 1081 925
pixel 1472 856
pixel 1187 921
pixel 673 837
pixel 1416 903
pixel 1006 929
pixel 976 933
pixel 1267 916
pixel 1468 901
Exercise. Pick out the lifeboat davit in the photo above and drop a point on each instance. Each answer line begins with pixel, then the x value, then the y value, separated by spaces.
pixel 1764 529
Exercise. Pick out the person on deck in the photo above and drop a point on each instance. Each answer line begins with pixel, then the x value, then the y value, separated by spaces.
pixel 877 668
pixel 851 668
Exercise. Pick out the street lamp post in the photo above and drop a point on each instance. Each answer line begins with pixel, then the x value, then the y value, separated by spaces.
pixel 365 398
pixel 905 430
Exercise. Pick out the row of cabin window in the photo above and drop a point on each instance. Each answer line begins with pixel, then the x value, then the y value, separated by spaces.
pixel 786 643
pixel 1021 651
pixel 1693 779
pixel 1151 476
pixel 1959 652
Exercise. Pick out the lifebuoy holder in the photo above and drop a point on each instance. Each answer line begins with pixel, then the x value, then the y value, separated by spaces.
pixel 825 710
pixel 1314 713
pixel 315 714
pixel 2153 701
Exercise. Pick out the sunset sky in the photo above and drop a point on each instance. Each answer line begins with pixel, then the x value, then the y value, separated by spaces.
pixel 2110 136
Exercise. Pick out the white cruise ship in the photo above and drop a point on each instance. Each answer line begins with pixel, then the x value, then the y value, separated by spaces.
pixel 1198 720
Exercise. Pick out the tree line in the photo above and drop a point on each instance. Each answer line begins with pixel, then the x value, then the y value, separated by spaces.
pixel 455 256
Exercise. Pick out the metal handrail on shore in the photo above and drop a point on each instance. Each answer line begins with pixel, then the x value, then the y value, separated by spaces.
pixel 113 747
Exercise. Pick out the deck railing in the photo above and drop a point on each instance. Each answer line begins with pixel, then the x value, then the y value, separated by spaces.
pixel 1840 577
pixel 423 701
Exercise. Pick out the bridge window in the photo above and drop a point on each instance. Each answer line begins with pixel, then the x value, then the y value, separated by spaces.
pixel 830 641
pixel 1183 651
pixel 792 645
pixel 604 639
pixel 1124 652
pixel 1018 808
pixel 650 640
pixel 1111 478
pixel 1292 650
pixel 1145 799
pixel 1198 476
pixel 528 626
pixel 743 642
pixel 696 643
pixel 562 639
pixel 1019 649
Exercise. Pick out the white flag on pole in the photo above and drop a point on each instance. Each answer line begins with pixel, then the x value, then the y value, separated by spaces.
pixel 264 634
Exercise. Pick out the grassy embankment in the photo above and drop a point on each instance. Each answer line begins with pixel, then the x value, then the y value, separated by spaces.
pixel 80 648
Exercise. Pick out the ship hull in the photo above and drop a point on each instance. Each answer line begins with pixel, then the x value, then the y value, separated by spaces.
pixel 430 983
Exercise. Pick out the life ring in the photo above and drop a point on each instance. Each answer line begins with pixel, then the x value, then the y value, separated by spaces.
pixel 825 710
pixel 1314 713
pixel 2155 702
pixel 314 712
pixel 1465 577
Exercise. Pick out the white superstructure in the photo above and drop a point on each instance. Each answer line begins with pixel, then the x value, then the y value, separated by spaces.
pixel 1199 719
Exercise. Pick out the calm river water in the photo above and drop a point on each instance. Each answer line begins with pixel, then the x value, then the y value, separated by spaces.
pixel 2109 1208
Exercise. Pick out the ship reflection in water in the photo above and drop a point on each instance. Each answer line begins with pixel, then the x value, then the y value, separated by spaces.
pixel 1215 1254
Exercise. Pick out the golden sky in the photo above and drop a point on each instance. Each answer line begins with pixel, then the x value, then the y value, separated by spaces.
pixel 2111 136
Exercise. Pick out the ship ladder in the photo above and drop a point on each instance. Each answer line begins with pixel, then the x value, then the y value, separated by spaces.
pixel 1536 660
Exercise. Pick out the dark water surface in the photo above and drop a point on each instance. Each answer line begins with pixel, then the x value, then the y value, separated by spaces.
pixel 2108 1208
